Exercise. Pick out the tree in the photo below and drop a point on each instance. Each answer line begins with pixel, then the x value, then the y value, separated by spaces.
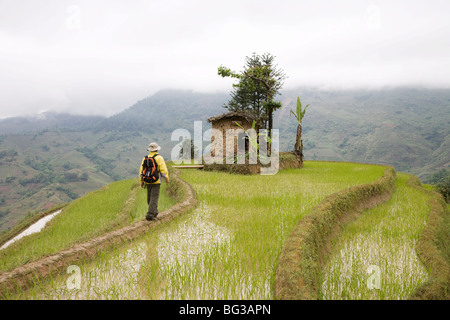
pixel 258 85
pixel 299 114
pixel 437 176
pixel 248 97
pixel 443 186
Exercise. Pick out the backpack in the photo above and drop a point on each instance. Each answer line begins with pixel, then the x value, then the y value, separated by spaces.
pixel 150 173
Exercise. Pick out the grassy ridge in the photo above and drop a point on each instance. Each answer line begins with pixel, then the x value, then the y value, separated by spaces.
pixel 111 207
pixel 433 247
pixel 26 222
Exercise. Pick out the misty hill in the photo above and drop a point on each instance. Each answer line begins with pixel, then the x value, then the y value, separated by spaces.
pixel 47 120
pixel 54 158
pixel 166 111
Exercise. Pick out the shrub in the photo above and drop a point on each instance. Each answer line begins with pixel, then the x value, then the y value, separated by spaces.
pixel 443 187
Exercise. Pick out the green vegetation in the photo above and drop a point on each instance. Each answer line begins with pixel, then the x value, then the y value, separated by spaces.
pixel 433 248
pixel 227 247
pixel 259 83
pixel 166 200
pixel 299 114
pixel 443 187
pixel 440 181
pixel 26 222
pixel 101 164
pixel 384 237
pixel 115 205
pixel 305 251
pixel 438 176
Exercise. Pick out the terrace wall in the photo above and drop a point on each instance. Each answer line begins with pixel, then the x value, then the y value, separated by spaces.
pixel 433 248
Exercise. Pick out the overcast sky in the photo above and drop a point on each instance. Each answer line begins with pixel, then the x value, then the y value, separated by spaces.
pixel 101 56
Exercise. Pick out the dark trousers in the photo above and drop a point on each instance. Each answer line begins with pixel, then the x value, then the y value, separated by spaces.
pixel 152 198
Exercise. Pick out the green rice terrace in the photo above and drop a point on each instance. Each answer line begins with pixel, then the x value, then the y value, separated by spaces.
pixel 330 230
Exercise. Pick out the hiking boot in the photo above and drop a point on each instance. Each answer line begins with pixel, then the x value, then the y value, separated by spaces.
pixel 150 217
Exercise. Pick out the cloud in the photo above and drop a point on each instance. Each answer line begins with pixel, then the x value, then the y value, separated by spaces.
pixel 102 56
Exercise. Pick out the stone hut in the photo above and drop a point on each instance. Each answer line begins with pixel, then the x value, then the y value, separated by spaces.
pixel 228 121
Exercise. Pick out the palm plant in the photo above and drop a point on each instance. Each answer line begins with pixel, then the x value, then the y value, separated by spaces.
pixel 299 114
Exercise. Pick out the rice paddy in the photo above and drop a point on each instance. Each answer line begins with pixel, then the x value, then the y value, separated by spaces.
pixel 114 277
pixel 375 257
pixel 228 247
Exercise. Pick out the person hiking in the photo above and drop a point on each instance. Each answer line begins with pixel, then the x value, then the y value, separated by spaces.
pixel 152 168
